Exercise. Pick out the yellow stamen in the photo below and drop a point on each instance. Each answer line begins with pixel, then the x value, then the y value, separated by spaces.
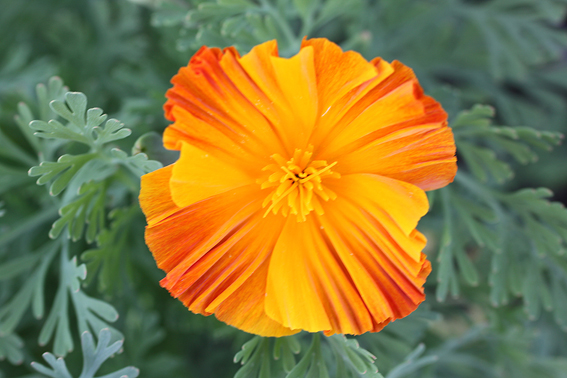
pixel 299 180
pixel 318 173
pixel 278 199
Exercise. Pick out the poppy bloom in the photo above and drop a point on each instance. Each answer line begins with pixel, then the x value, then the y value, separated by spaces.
pixel 294 202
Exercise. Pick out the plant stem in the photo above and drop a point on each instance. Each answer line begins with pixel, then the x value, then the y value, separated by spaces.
pixel 31 222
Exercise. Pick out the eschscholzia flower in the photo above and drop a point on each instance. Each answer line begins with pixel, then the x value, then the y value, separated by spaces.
pixel 294 202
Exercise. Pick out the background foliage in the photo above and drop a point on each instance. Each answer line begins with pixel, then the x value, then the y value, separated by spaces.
pixel 78 285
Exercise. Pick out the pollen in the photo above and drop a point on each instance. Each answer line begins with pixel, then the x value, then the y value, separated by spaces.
pixel 297 184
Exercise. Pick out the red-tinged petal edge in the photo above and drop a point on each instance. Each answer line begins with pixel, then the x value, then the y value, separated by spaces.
pixel 395 131
pixel 215 254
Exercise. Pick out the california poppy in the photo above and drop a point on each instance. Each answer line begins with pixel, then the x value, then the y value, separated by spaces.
pixel 294 203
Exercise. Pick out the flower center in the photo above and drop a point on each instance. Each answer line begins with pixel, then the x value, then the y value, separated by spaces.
pixel 298 184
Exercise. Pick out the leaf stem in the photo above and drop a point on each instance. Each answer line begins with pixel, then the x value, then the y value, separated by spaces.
pixel 292 40
pixel 31 222
pixel 11 149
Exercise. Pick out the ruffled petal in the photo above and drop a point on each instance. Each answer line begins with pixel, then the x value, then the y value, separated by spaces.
pixel 421 155
pixel 389 281
pixel 215 256
pixel 290 88
pixel 189 129
pixel 182 238
pixel 396 131
pixel 271 113
pixel 373 219
pixel 205 91
pixel 155 196
pixel 390 103
pixel 308 286
pixel 357 267
pixel 342 101
pixel 296 79
pixel 198 175
pixel 397 205
pixel 244 309
pixel 338 72
pixel 208 281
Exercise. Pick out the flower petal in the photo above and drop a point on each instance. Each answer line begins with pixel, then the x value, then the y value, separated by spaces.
pixel 327 125
pixel 387 278
pixel 207 282
pixel 180 239
pixel 296 79
pixel 198 175
pixel 204 90
pixel 338 72
pixel 421 155
pixel 215 255
pixel 269 111
pixel 395 131
pixel 192 130
pixel 155 196
pixel 290 87
pixel 390 103
pixel 355 268
pixel 308 287
pixel 396 204
pixel 244 309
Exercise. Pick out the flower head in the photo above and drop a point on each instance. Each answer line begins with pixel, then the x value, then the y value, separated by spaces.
pixel 294 203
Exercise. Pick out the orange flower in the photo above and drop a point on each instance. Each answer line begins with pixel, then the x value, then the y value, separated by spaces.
pixel 294 202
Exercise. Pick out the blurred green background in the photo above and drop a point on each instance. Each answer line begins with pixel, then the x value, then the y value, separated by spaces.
pixel 510 54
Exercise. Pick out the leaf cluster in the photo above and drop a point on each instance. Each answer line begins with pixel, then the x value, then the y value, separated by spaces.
pixel 80 184
pixel 258 356
pixel 93 359
pixel 86 176
pixel 246 22
pixel 522 234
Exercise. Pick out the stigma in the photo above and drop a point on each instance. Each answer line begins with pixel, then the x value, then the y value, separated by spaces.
pixel 297 184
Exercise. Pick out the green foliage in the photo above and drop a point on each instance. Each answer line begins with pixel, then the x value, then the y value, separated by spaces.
pixel 105 259
pixel 88 207
pixel 85 179
pixel 144 332
pixel 524 232
pixel 473 128
pixel 398 347
pixel 246 23
pixel 87 176
pixel 91 313
pixel 92 359
pixel 31 293
pixel 514 33
pixel 11 348
pixel 259 355
pixel 352 360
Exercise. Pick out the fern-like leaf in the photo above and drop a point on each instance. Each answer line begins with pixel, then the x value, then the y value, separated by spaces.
pixel 93 358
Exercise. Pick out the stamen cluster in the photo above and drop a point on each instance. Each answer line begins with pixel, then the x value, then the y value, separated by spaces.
pixel 298 184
